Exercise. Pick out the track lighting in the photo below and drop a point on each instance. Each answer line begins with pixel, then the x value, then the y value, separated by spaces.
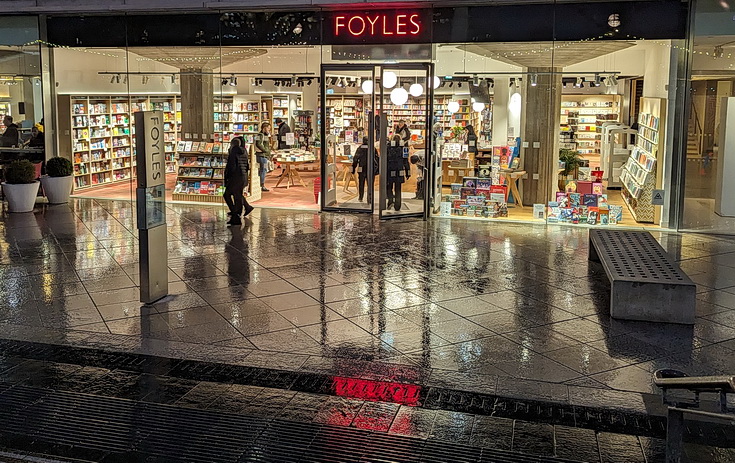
pixel 125 79
pixel 475 80
pixel 491 82
pixel 293 80
pixel 580 82
pixel 598 80
pixel 613 80
pixel 145 79
pixel 112 79
pixel 534 80
pixel 512 81
pixel 233 81
pixel 308 82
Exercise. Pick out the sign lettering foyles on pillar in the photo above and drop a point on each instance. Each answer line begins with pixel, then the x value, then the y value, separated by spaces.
pixel 150 198
pixel 377 26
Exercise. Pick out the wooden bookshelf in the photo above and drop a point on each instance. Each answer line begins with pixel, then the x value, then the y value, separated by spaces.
pixel 583 116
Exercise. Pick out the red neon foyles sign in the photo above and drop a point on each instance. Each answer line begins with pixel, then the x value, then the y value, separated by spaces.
pixel 377 25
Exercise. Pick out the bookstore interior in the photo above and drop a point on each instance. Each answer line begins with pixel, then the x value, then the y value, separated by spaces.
pixel 562 132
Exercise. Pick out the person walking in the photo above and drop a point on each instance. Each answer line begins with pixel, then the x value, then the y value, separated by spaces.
pixel 471 139
pixel 263 152
pixel 236 178
pixel 360 165
pixel 283 129
pixel 403 131
pixel 399 170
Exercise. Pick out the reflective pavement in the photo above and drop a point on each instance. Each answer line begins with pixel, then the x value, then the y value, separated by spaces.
pixel 512 309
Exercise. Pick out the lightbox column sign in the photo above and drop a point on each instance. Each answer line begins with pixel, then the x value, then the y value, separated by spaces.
pixel 150 196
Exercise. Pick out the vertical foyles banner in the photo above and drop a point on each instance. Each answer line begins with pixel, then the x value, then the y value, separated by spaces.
pixel 150 198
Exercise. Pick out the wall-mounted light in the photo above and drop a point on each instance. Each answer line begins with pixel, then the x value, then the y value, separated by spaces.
pixel 534 80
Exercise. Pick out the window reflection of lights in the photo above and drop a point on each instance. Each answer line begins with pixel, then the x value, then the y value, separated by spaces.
pixel 525 354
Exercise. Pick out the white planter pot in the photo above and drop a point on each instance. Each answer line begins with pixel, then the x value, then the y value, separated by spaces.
pixel 21 197
pixel 57 189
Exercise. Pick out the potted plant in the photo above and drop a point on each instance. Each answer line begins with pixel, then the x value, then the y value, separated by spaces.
pixel 457 132
pixel 58 182
pixel 20 186
pixel 572 161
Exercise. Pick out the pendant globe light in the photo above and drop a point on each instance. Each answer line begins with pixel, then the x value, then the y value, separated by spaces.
pixel 416 89
pixel 390 79
pixel 453 106
pixel 436 82
pixel 478 107
pixel 399 96
pixel 367 86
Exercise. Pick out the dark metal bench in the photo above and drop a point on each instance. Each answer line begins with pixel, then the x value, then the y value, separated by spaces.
pixel 674 380
pixel 646 284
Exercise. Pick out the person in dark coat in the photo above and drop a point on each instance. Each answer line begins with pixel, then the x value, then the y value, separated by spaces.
pixel 283 129
pixel 399 170
pixel 360 165
pixel 403 131
pixel 37 139
pixel 471 139
pixel 10 137
pixel 237 171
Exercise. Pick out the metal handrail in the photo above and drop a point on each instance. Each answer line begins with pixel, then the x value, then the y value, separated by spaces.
pixel 698 130
pixel 677 380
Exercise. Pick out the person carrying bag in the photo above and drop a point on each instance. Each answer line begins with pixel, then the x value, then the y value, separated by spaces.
pixel 236 178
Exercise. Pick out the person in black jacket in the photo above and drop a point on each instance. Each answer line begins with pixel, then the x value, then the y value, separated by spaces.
pixel 403 131
pixel 471 139
pixel 236 178
pixel 399 170
pixel 283 129
pixel 10 136
pixel 360 165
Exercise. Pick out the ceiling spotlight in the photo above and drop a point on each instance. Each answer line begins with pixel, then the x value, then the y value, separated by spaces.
pixel 518 82
pixel 459 84
pixel 353 82
pixel 145 79
pixel 233 81
pixel 112 79
pixel 340 82
pixel 512 81
pixel 534 80
pixel 298 29
pixel 475 80
pixel 613 80
pixel 293 80
pixel 718 52
pixel 125 79
pixel 451 84
pixel 308 82
pixel 491 82
pixel 580 81
pixel 598 80
pixel 173 79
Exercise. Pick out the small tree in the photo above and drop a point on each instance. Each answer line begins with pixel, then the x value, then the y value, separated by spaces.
pixel 19 172
pixel 59 167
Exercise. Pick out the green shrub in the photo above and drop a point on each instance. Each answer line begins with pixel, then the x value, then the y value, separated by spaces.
pixel 59 167
pixel 21 171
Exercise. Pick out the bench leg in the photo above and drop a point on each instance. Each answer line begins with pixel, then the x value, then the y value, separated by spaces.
pixel 592 253
pixel 674 435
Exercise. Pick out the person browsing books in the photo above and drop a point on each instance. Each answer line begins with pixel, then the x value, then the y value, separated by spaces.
pixel 471 139
pixel 263 152
pixel 283 129
pixel 236 178
pixel 403 131
pixel 418 160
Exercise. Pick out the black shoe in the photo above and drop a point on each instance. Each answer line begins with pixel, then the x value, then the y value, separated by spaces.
pixel 390 204
pixel 248 210
pixel 264 189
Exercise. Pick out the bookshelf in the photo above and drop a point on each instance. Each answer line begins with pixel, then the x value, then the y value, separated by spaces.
pixel 200 172
pixel 641 173
pixel 280 109
pixel 345 112
pixel 102 136
pixel 581 121
pixel 237 116
pixel 303 127
pixel 448 120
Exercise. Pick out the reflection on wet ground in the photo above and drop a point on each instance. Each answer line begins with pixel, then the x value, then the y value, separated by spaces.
pixel 504 308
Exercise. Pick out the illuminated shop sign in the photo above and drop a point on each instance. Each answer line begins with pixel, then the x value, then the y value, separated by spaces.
pixel 393 26
pixel 381 391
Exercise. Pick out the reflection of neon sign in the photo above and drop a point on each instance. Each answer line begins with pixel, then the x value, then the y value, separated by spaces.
pixel 377 25
pixel 377 391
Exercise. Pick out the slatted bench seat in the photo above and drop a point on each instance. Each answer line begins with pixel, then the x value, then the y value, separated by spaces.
pixel 645 283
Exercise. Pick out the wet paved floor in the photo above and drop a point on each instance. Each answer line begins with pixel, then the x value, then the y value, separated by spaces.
pixel 507 309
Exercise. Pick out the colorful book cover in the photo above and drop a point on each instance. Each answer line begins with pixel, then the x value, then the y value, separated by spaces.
pixel 498 189
pixel 604 217
pixel 539 211
pixel 597 188
pixel 484 192
pixel 466 191
pixel 560 195
pixel 515 163
pixel 575 199
pixel 495 159
pixel 565 214
pixel 584 173
pixel 602 201
pixel 582 214
pixel 497 197
pixel 457 203
pixel 616 214
pixel 592 216
pixel 445 208
pixel 589 200
pixel 484 183
pixel 208 147
pixel 476 200
pixel 188 146
pixel 552 212
pixel 575 215
pixel 469 182
pixel 456 187
pixel 571 186
pixel 181 146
